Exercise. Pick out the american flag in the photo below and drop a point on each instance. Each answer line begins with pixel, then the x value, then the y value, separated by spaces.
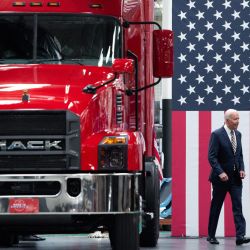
pixel 212 74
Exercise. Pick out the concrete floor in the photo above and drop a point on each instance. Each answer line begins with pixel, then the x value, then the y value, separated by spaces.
pixel 80 242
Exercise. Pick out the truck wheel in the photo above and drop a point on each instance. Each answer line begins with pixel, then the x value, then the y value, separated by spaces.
pixel 7 239
pixel 150 232
pixel 124 234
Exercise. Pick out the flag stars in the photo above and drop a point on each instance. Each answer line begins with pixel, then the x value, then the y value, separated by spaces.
pixel 191 47
pixel 236 14
pixel 182 36
pixel 244 46
pixel 245 4
pixel 209 47
pixel 200 79
pixel 182 79
pixel 218 36
pixel 209 4
pixel 191 68
pixel 218 79
pixel 200 15
pixel 182 58
pixel 217 57
pixel 236 100
pixel 245 25
pixel 217 100
pixel 191 89
pixel 200 36
pixel 245 89
pixel 209 68
pixel 200 57
pixel 191 4
pixel 209 25
pixel 227 4
pixel 227 25
pixel 244 68
pixel 182 15
pixel 236 36
pixel 218 14
pixel 227 89
pixel 236 57
pixel 182 100
pixel 200 100
pixel 227 47
pixel 227 68
pixel 209 89
pixel 236 79
pixel 191 26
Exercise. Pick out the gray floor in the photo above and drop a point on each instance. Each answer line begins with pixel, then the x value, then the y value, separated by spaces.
pixel 80 242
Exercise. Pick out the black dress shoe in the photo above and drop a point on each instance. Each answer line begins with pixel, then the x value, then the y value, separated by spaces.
pixel 213 240
pixel 242 241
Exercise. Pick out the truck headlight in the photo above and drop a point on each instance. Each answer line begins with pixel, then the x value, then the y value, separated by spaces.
pixel 112 153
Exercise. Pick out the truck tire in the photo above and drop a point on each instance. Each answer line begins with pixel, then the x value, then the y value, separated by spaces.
pixel 124 235
pixel 150 231
pixel 7 239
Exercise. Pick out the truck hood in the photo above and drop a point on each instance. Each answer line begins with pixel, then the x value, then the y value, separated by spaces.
pixel 49 86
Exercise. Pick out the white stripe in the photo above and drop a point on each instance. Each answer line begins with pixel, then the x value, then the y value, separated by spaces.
pixel 217 122
pixel 244 129
pixel 192 176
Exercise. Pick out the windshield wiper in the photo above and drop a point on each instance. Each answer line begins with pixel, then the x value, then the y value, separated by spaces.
pixel 44 60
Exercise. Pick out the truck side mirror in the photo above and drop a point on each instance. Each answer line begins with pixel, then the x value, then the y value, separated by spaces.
pixel 163 53
pixel 123 66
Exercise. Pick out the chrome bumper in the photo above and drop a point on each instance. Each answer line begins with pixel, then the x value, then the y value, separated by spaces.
pixel 100 194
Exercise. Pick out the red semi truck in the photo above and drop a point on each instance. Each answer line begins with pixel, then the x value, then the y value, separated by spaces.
pixel 77 118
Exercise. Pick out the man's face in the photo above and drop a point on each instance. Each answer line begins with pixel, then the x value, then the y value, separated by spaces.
pixel 233 121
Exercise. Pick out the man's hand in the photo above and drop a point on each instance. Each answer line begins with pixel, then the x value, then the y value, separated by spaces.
pixel 242 174
pixel 223 176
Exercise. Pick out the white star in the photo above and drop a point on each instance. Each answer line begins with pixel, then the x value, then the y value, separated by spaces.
pixel 209 68
pixel 236 57
pixel 227 47
pixel 236 78
pixel 200 57
pixel 182 15
pixel 218 57
pixel 236 14
pixel 218 79
pixel 245 25
pixel 245 4
pixel 218 36
pixel 191 26
pixel 227 89
pixel 236 36
pixel 245 89
pixel 227 4
pixel 236 100
pixel 209 25
pixel 244 68
pixel 191 47
pixel 182 57
pixel 209 89
pixel 227 25
pixel 227 68
pixel 218 14
pixel 200 36
pixel 182 100
pixel 209 47
pixel 191 89
pixel 209 4
pixel 200 15
pixel 182 36
pixel 217 100
pixel 182 79
pixel 200 79
pixel 244 46
pixel 200 100
pixel 191 4
pixel 191 68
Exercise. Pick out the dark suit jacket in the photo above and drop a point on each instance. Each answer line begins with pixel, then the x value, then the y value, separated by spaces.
pixel 221 156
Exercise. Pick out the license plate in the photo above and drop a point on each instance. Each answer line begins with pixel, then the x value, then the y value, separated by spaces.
pixel 23 205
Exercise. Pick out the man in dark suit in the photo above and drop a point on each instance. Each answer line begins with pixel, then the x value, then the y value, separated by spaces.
pixel 226 160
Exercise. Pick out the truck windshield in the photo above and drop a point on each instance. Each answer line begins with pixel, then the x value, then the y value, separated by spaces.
pixel 57 38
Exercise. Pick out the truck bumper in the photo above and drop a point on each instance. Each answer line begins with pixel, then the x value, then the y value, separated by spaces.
pixel 89 194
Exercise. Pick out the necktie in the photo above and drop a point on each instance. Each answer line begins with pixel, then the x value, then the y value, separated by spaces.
pixel 233 141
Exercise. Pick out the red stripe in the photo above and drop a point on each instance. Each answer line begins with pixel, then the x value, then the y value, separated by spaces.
pixel 179 173
pixel 204 170
pixel 228 217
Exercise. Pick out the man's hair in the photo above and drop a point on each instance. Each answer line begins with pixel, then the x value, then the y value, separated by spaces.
pixel 228 113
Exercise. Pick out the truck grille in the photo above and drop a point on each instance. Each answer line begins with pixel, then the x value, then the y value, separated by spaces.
pixel 38 141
